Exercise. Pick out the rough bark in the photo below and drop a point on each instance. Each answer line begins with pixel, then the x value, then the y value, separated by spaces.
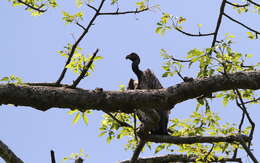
pixel 196 139
pixel 180 158
pixel 46 97
pixel 8 155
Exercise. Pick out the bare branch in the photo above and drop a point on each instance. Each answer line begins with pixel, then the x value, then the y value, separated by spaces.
pixel 194 35
pixel 237 5
pixel 258 5
pixel 180 60
pixel 222 8
pixel 241 24
pixel 92 7
pixel 250 154
pixel 53 160
pixel 81 26
pixel 244 109
pixel 8 155
pixel 257 99
pixel 123 12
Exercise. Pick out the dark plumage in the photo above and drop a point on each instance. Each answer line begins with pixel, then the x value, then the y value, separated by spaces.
pixel 147 80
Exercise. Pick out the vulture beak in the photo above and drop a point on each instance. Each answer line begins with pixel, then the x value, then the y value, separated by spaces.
pixel 127 57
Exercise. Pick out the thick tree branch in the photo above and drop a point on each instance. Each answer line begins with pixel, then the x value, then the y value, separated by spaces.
pixel 179 158
pixel 46 97
pixel 196 139
pixel 8 155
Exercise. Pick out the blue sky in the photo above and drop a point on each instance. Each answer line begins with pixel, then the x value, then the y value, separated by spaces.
pixel 29 48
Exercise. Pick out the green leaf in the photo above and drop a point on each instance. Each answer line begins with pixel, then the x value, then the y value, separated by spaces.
pixel 166 74
pixel 76 118
pixel 122 87
pixel 113 2
pixel 249 55
pixel 250 35
pixel 158 30
pixel 72 111
pixel 200 101
pixel 85 118
pixel 159 148
pixel 98 57
pixel 5 79
pixel 79 3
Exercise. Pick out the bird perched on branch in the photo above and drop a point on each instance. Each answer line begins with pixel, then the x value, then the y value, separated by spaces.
pixel 147 80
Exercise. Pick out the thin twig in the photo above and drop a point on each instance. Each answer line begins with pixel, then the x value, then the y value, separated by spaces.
pixel 179 74
pixel 239 129
pixel 84 71
pixel 211 149
pixel 194 35
pixel 123 124
pixel 78 41
pixel 251 101
pixel 32 7
pixel 237 5
pixel 53 157
pixel 135 127
pixel 81 26
pixel 92 7
pixel 123 12
pixel 241 24
pixel 254 3
pixel 180 60
pixel 243 108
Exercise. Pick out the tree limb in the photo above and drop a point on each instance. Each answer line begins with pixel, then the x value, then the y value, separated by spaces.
pixel 138 151
pixel 179 158
pixel 8 155
pixel 46 97
pixel 196 139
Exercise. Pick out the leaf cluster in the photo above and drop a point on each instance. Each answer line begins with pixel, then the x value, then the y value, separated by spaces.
pixel 78 61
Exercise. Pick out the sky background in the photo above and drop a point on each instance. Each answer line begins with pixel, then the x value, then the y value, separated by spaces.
pixel 29 48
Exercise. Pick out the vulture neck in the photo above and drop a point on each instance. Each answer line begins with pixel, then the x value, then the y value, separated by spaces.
pixel 136 70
